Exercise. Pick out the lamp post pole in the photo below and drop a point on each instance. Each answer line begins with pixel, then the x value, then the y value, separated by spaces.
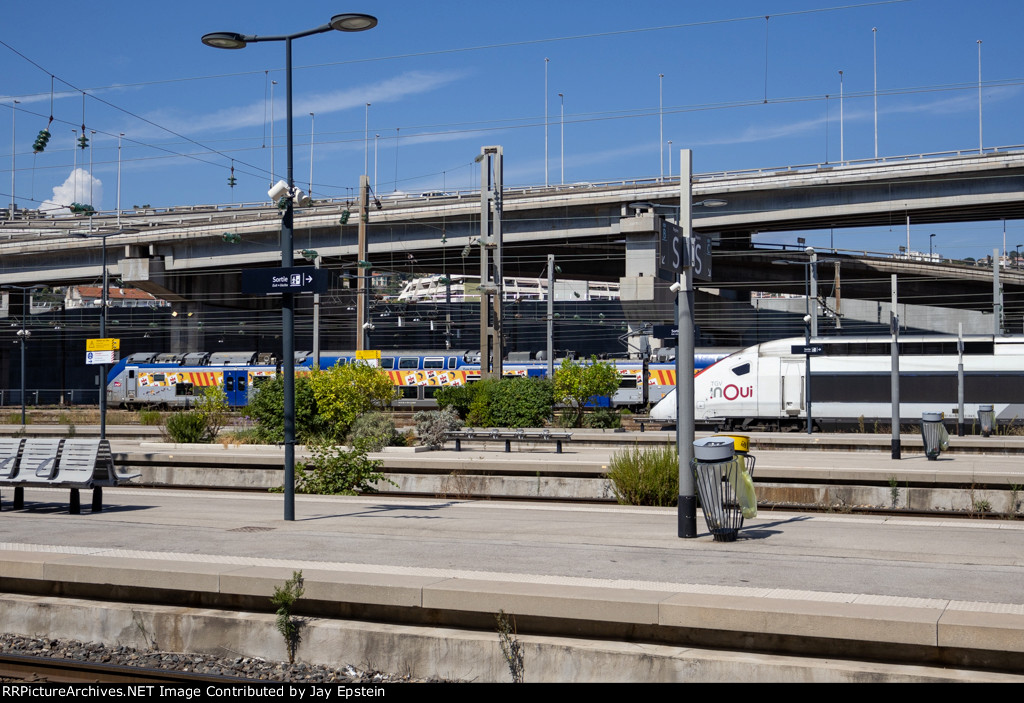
pixel 231 40
pixel 24 334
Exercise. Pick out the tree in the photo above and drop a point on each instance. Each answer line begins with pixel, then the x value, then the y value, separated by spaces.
pixel 576 384
pixel 343 393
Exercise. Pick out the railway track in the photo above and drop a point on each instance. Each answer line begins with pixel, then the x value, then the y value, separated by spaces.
pixel 16 668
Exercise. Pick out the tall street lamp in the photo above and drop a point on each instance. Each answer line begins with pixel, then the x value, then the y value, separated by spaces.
pixel 24 333
pixel 349 22
pixel 103 315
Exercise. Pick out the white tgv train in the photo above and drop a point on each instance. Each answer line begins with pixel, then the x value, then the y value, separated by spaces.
pixel 763 386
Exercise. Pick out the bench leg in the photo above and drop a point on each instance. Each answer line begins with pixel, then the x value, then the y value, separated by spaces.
pixel 558 446
pixel 508 446
pixel 76 503
pixel 458 444
pixel 97 499
pixel 19 498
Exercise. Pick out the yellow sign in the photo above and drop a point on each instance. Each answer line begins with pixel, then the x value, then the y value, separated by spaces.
pixel 107 344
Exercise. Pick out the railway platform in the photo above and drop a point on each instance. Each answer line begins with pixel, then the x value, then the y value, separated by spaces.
pixel 597 592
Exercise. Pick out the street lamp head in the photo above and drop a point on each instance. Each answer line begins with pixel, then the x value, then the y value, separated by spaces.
pixel 352 22
pixel 224 40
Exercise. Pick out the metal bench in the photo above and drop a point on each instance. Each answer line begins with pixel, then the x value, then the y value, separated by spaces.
pixel 508 436
pixel 66 463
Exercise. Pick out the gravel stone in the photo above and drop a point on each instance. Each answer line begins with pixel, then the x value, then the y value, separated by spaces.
pixel 236 666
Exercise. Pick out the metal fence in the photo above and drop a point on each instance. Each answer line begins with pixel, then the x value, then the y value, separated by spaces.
pixel 11 397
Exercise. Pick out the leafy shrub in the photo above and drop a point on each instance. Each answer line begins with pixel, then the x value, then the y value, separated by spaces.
pixel 602 418
pixel 335 471
pixel 459 398
pixel 150 417
pixel 213 405
pixel 432 424
pixel 645 476
pixel 189 427
pixel 521 402
pixel 344 392
pixel 479 414
pixel 266 408
pixel 374 431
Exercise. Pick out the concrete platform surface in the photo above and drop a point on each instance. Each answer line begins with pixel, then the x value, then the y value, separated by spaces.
pixel 885 582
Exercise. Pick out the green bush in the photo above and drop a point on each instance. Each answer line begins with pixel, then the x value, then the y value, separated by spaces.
pixel 602 418
pixel 344 392
pixel 459 398
pixel 266 408
pixel 150 417
pixel 374 431
pixel 432 424
pixel 189 427
pixel 521 402
pixel 335 471
pixel 645 476
pixel 479 414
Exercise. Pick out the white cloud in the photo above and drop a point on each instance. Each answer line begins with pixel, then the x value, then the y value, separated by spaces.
pixel 253 114
pixel 79 187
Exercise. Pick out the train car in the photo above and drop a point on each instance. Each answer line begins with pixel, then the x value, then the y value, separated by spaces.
pixel 176 380
pixel 764 386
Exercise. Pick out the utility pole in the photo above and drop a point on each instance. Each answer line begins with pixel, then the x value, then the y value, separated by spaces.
pixel 362 293
pixel 894 321
pixel 491 183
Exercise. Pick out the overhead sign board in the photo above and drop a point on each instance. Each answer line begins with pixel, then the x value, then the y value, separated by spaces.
pixel 676 253
pixel 807 349
pixel 102 344
pixel 370 357
pixel 101 357
pixel 293 279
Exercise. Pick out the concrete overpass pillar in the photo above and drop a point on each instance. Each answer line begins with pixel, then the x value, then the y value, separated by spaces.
pixel 645 298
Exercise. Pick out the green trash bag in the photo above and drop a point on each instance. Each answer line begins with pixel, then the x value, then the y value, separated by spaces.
pixel 739 478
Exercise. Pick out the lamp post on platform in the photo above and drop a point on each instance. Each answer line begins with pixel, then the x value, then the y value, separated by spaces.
pixel 349 22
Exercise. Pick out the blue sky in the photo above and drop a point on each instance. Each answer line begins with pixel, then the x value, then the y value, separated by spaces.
pixel 443 79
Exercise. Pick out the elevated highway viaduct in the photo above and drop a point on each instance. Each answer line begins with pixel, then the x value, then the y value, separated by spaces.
pixel 182 254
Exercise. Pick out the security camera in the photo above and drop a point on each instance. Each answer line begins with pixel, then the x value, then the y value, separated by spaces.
pixel 301 199
pixel 807 318
pixel 369 326
pixel 279 190
pixel 675 287
pixel 809 250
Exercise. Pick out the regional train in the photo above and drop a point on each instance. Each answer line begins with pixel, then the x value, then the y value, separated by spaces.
pixel 763 386
pixel 176 380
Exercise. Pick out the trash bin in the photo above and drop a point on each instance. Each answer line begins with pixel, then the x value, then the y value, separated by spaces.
pixel 936 439
pixel 724 484
pixel 987 419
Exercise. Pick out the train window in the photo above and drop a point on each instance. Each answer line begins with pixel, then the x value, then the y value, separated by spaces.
pixel 453 362
pixel 741 370
pixel 409 362
pixel 837 349
pixel 229 384
pixel 183 389
pixel 429 391
pixel 131 373
pixel 979 348
pixel 410 392
pixel 433 362
pixel 159 378
pixel 387 362
pixel 627 382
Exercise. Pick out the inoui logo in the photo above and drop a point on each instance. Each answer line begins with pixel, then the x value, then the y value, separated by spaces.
pixel 732 392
